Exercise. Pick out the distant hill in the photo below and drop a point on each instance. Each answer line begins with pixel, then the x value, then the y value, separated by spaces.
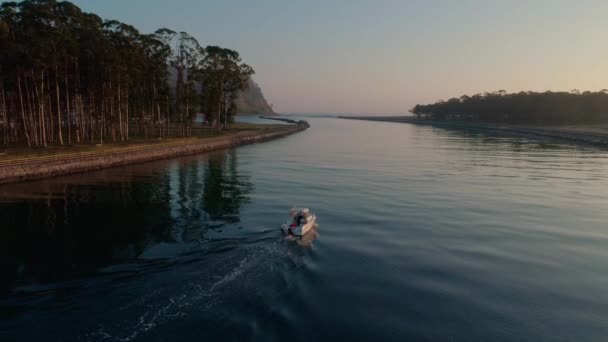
pixel 252 101
pixel 249 101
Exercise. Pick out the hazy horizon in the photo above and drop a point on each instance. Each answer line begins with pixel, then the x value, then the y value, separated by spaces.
pixel 363 57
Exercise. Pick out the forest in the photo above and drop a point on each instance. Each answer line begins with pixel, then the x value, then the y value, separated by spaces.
pixel 546 108
pixel 70 77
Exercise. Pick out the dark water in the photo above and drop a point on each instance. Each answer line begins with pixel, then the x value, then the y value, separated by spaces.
pixel 425 234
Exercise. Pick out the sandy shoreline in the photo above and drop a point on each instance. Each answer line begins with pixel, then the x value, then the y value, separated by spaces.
pixel 588 134
pixel 41 167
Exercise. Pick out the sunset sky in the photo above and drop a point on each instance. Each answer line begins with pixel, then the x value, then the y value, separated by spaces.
pixel 383 57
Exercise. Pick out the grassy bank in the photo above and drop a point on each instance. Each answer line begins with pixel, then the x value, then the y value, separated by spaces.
pixel 24 152
pixel 27 164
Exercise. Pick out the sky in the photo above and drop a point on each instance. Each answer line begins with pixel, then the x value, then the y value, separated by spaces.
pixel 382 56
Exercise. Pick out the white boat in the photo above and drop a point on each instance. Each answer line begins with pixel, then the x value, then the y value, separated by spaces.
pixel 301 221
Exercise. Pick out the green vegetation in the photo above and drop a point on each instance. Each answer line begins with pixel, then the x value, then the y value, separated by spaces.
pixel 69 77
pixel 548 108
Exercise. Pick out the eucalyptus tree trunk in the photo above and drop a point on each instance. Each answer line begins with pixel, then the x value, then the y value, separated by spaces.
pixel 126 129
pixel 31 117
pixel 48 113
pixel 80 120
pixel 58 106
pixel 179 93
pixel 219 109
pixel 120 127
pixel 25 128
pixel 91 112
pixel 102 124
pixel 160 131
pixel 67 105
pixel 111 105
pixel 165 123
pixel 185 133
pixel 40 96
pixel 4 116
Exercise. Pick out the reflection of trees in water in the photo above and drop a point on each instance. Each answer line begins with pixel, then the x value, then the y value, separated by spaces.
pixel 73 229
pixel 81 229
pixel 210 195
pixel 473 139
pixel 225 189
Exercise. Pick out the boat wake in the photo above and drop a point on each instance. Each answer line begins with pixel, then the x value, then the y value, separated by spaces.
pixel 221 280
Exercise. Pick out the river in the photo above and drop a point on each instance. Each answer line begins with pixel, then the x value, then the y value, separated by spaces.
pixel 424 233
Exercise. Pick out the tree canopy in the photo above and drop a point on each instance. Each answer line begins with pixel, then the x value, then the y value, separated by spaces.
pixel 550 108
pixel 223 75
pixel 67 76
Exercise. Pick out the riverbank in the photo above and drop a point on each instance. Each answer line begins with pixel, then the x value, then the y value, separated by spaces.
pixel 588 134
pixel 36 167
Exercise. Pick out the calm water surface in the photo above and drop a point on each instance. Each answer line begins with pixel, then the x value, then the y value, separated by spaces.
pixel 425 233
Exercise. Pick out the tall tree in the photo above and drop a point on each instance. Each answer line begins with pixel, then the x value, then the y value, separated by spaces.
pixel 222 74
pixel 69 76
pixel 184 59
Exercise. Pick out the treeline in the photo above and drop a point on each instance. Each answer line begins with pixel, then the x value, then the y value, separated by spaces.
pixel 550 108
pixel 67 76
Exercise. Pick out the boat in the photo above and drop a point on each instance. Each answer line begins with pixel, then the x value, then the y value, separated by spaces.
pixel 301 221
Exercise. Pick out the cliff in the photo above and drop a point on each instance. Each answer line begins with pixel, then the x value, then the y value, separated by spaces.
pixel 249 101
pixel 252 101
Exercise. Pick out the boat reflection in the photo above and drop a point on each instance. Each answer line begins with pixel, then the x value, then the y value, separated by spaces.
pixel 307 239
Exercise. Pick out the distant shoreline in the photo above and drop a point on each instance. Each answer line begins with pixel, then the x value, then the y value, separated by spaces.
pixel 588 134
pixel 256 114
pixel 296 122
pixel 24 169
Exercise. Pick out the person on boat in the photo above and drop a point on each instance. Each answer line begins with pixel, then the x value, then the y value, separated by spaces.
pixel 296 219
